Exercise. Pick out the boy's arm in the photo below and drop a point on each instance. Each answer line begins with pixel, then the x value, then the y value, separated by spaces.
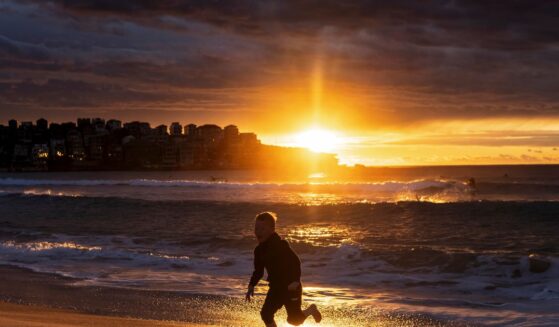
pixel 258 269
pixel 256 274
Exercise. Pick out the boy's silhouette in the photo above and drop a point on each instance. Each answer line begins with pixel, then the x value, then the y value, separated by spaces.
pixel 284 274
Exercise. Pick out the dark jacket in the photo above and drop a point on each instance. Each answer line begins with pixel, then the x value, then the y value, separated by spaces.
pixel 281 263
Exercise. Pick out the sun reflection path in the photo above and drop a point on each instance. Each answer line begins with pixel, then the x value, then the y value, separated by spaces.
pixel 320 235
pixel 316 199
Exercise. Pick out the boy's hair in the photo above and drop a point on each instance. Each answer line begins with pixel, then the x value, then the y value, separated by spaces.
pixel 267 216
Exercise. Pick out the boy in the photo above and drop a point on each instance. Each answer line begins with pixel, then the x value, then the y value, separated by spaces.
pixel 284 274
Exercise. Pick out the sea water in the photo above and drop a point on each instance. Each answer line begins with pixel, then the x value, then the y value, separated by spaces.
pixel 418 241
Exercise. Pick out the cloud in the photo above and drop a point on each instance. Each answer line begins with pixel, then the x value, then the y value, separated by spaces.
pixel 511 25
pixel 22 51
pixel 497 138
pixel 399 61
pixel 58 92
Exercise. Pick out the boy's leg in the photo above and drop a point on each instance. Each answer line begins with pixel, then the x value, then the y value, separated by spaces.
pixel 293 299
pixel 295 315
pixel 272 304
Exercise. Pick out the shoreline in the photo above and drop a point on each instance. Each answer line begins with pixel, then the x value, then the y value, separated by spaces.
pixel 30 298
pixel 25 287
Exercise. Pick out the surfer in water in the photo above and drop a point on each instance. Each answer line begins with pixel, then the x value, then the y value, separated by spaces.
pixel 284 274
pixel 472 187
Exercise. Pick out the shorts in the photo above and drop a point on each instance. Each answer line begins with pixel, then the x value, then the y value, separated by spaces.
pixel 279 296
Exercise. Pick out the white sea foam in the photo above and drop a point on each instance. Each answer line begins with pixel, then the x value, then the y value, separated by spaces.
pixel 300 193
pixel 388 186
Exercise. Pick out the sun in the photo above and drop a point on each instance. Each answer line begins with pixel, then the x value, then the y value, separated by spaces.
pixel 317 140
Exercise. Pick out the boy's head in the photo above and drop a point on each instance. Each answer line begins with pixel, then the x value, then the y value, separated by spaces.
pixel 264 225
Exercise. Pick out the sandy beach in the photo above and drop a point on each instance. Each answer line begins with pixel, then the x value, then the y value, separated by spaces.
pixel 18 315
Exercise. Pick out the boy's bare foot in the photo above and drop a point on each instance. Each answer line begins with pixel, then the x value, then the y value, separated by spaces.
pixel 315 313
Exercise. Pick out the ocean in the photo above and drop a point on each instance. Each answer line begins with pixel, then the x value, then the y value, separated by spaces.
pixel 422 240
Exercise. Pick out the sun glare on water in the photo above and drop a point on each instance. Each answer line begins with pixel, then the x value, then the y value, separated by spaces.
pixel 317 140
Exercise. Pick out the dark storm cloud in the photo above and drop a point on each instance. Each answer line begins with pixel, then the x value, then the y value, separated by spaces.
pixel 423 59
pixel 56 92
pixel 22 51
pixel 511 25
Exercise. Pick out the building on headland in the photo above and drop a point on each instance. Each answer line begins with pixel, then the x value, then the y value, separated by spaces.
pixel 176 129
pixel 12 124
pixel 75 146
pixel 99 125
pixel 231 133
pixel 96 144
pixel 39 157
pixel 210 134
pixel 42 124
pixel 138 129
pixel 57 148
pixel 169 156
pixel 113 124
pixel 190 130
pixel 161 130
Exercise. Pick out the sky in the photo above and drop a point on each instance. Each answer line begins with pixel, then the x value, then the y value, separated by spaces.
pixel 395 82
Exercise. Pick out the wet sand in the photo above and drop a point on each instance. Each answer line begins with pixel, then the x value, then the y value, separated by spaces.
pixel 38 299
pixel 18 315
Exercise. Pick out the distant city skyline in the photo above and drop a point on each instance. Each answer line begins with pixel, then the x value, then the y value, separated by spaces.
pixel 99 144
